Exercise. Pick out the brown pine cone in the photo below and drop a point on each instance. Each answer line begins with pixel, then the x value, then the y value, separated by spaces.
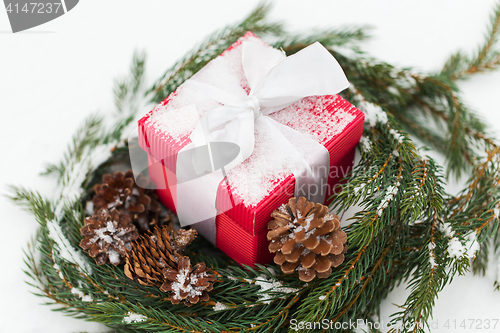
pixel 306 239
pixel 187 284
pixel 122 192
pixel 155 251
pixel 114 191
pixel 149 255
pixel 144 205
pixel 138 201
pixel 181 238
pixel 108 236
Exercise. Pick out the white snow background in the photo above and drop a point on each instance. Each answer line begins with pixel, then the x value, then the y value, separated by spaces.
pixel 54 75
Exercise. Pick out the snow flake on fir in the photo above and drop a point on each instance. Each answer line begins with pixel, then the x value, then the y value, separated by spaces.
pixel 81 294
pixel 389 195
pixel 446 229
pixel 432 255
pixel 472 245
pixel 66 251
pixel 132 317
pixel 366 144
pixel 76 173
pixel 397 136
pixel 269 288
pixel 220 306
pixel 373 113
pixel 56 266
pixel 393 90
pixel 406 81
pixel 456 248
pixel 59 272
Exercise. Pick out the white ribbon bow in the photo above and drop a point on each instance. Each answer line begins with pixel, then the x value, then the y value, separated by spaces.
pixel 275 82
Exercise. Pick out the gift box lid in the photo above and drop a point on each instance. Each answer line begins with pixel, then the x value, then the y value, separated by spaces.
pixel 259 184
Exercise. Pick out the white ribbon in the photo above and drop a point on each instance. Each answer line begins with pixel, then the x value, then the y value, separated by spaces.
pixel 275 82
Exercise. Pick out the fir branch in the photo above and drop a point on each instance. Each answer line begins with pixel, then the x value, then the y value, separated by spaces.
pixel 25 198
pixel 127 89
pixel 414 100
pixel 428 280
pixel 460 66
pixel 365 282
pixel 86 136
pixel 480 263
pixel 344 36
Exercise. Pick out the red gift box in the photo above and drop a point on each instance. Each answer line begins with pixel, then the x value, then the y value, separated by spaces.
pixel 242 228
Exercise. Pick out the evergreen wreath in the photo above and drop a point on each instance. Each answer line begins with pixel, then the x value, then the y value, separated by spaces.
pixel 408 228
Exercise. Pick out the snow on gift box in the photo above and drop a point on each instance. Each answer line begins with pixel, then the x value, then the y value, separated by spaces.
pixel 276 129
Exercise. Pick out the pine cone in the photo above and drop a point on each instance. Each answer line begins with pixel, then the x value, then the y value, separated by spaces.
pixel 306 239
pixel 153 252
pixel 139 201
pixel 182 238
pixel 113 191
pixel 144 206
pixel 149 255
pixel 187 284
pixel 108 236
pixel 120 191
